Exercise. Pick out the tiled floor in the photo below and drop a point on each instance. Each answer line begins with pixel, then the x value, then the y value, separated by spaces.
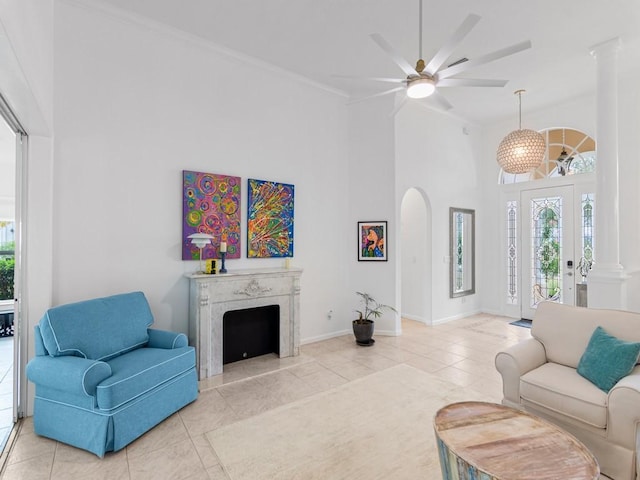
pixel 460 352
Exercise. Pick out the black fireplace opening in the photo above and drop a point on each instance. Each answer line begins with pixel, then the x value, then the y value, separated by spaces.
pixel 250 332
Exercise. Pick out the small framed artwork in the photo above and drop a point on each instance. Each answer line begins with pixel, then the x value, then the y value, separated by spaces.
pixel 372 241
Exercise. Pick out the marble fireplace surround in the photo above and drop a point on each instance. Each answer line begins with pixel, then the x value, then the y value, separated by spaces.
pixel 211 296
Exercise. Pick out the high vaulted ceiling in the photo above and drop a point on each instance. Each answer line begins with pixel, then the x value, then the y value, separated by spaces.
pixel 319 39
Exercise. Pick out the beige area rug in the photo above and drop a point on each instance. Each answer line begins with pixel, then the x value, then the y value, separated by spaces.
pixel 377 427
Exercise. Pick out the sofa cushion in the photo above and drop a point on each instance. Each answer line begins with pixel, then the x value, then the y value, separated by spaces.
pixel 142 370
pixel 607 359
pixel 561 389
pixel 97 329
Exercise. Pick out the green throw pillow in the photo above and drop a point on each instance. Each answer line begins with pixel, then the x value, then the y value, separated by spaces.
pixel 607 359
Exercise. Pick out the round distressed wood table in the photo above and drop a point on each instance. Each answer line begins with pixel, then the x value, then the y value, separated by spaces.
pixel 487 441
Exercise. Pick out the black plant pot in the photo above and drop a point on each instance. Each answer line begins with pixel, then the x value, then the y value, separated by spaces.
pixel 363 331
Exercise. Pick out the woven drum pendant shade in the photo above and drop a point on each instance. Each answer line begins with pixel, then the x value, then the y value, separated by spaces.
pixel 522 150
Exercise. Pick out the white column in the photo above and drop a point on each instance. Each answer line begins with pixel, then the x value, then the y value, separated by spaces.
pixel 607 281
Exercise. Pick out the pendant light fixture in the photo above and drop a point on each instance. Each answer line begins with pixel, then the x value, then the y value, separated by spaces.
pixel 522 150
pixel 564 160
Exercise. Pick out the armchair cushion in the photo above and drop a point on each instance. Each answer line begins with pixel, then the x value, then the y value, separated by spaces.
pixel 560 389
pixel 607 359
pixel 140 371
pixel 95 328
pixel 78 376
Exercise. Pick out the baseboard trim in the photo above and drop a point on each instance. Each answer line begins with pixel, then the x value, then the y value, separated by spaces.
pixel 387 333
pixel 391 333
pixel 326 336
pixel 456 317
pixel 415 318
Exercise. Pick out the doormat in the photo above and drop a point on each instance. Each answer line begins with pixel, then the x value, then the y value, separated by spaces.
pixel 523 322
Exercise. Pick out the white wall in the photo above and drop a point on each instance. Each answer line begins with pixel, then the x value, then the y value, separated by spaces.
pixel 7 172
pixel 135 104
pixel 371 198
pixel 415 219
pixel 439 154
pixel 26 54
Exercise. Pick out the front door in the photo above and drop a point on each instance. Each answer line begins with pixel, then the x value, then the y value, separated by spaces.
pixel 548 247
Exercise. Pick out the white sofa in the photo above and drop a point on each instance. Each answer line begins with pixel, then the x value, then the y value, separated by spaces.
pixel 540 376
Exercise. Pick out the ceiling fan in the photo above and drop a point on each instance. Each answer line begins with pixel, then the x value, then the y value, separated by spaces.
pixel 426 78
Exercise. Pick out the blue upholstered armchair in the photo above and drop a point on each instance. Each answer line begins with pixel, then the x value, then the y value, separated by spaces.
pixel 103 377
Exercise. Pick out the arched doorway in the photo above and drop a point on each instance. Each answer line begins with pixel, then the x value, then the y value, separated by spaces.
pixel 416 256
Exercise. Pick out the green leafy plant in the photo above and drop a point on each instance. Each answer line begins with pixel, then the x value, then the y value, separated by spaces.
pixel 8 247
pixel 7 267
pixel 371 308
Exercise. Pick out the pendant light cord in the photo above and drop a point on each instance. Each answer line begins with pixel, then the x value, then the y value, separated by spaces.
pixel 520 111
pixel 519 93
pixel 420 31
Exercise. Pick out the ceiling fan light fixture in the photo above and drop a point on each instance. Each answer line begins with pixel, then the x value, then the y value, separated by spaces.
pixel 521 150
pixel 420 87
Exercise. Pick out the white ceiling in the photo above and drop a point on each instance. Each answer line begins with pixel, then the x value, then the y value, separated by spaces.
pixel 322 38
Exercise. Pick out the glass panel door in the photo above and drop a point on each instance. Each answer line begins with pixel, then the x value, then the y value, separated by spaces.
pixel 548 245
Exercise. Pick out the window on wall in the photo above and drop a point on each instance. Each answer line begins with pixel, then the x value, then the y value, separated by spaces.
pixel 587 238
pixel 512 253
pixel 569 152
pixel 7 259
pixel 459 247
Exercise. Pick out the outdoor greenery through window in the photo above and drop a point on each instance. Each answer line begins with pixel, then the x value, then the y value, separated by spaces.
pixel 7 259
pixel 547 238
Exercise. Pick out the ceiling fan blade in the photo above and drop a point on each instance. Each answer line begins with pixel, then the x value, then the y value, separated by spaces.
pixel 373 79
pixel 380 94
pixel 441 101
pixel 471 82
pixel 489 57
pixel 401 62
pixel 447 49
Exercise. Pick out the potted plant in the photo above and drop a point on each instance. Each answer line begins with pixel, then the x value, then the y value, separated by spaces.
pixel 363 325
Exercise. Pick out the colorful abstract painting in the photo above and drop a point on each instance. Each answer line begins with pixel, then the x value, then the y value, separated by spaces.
pixel 372 241
pixel 269 219
pixel 210 204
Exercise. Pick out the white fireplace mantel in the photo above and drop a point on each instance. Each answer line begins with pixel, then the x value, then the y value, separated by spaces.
pixel 213 295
